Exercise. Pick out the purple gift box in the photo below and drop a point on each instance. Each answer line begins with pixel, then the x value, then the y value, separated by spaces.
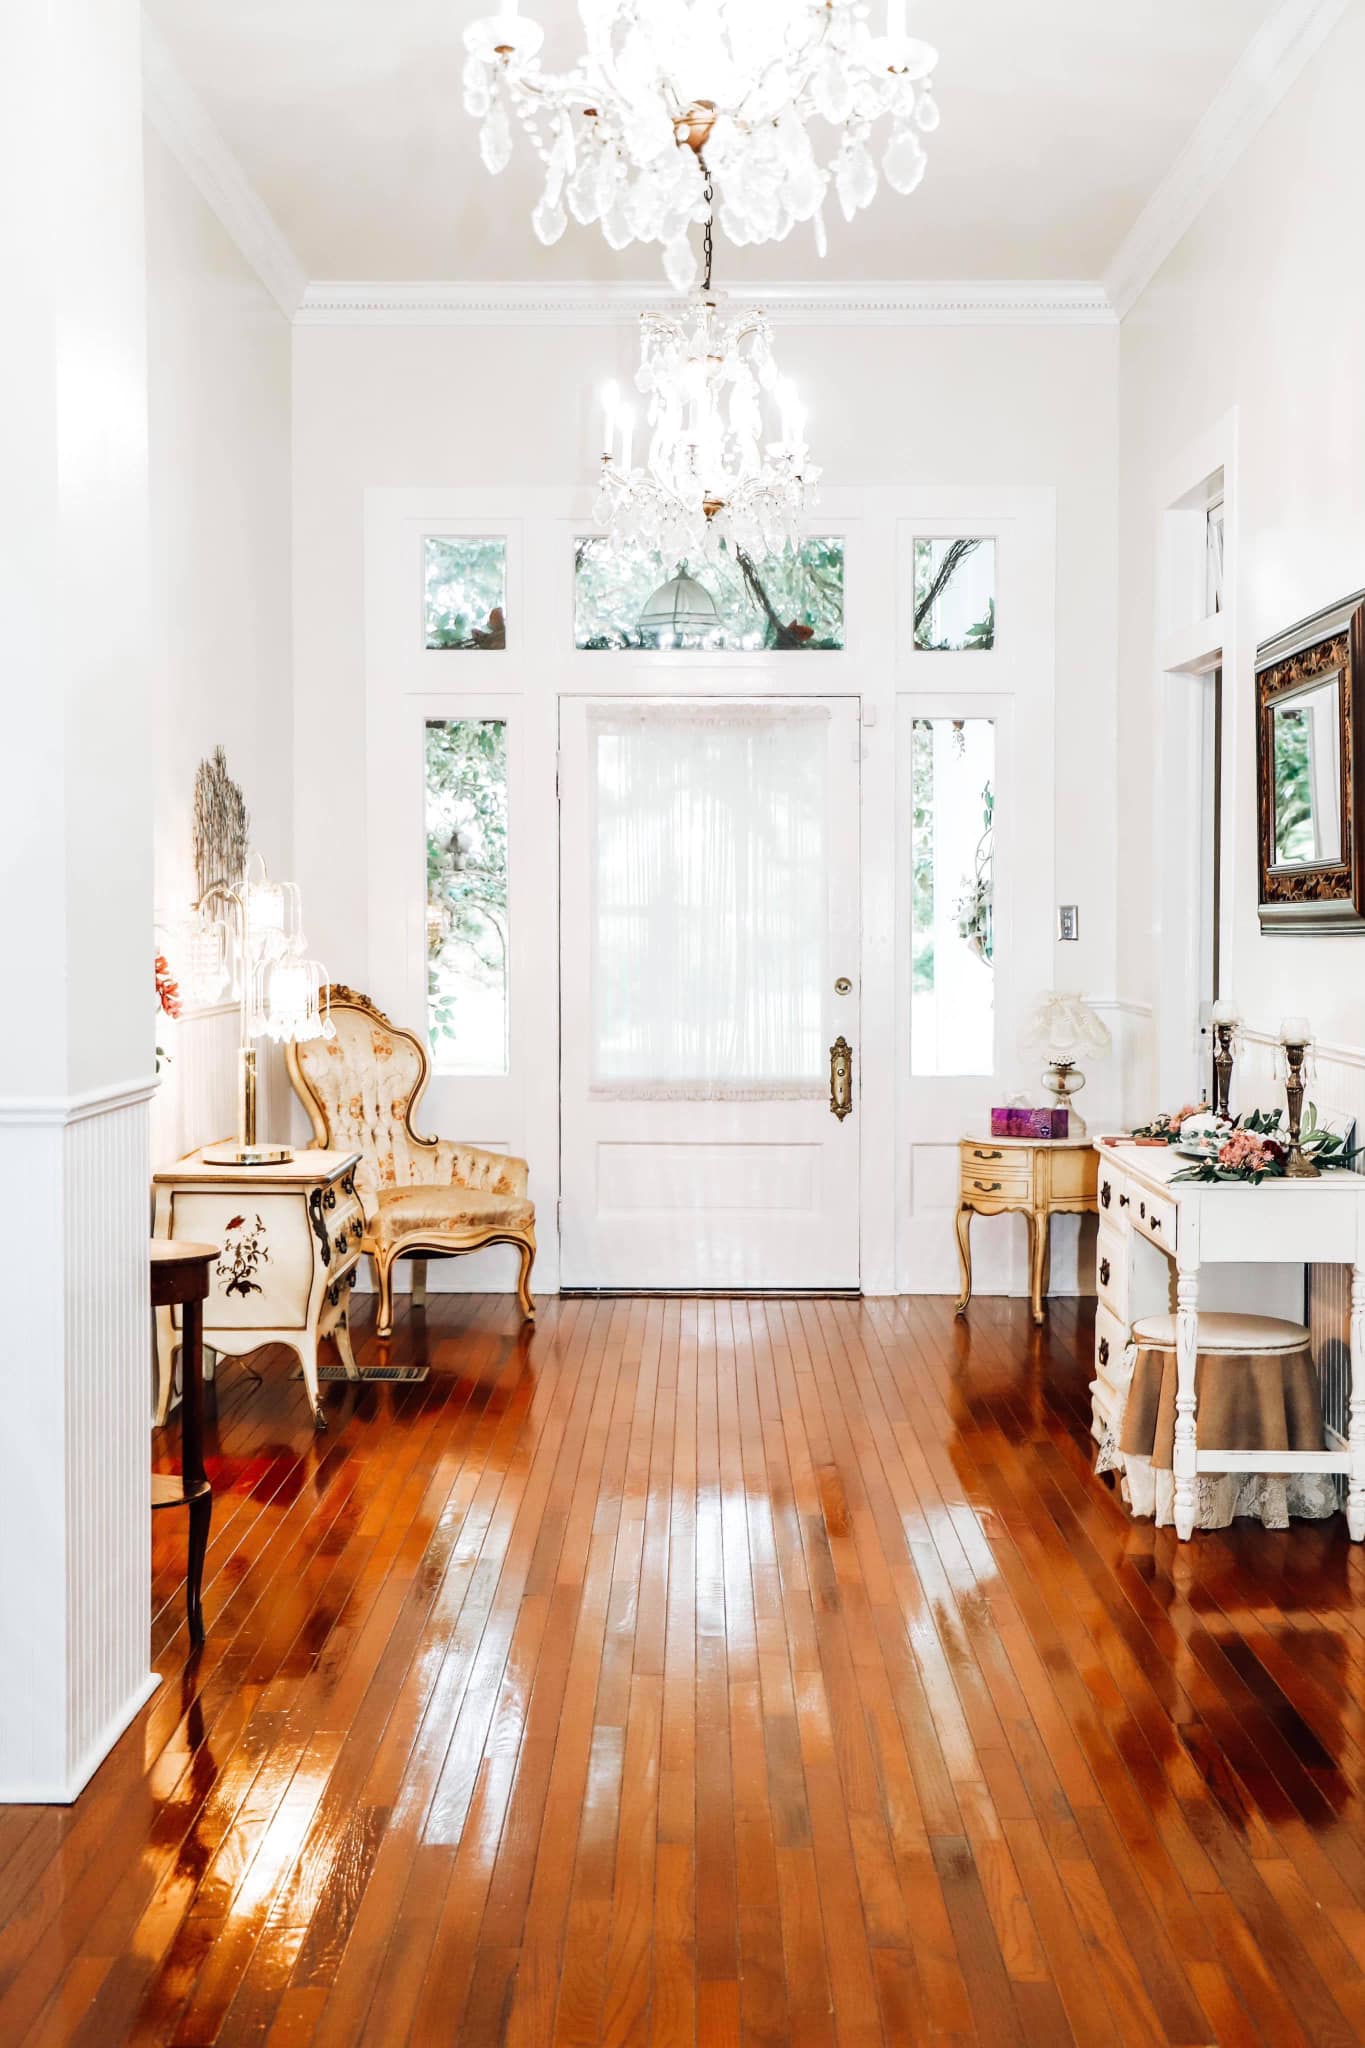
pixel 1029 1123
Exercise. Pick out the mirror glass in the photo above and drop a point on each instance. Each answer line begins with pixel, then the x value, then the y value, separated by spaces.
pixel 1306 750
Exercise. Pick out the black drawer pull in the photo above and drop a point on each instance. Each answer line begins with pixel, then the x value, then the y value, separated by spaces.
pixel 1142 1211
pixel 1104 1351
pixel 987 1155
pixel 1156 1221
pixel 987 1187
pixel 1106 1194
pixel 1104 1272
pixel 1123 1201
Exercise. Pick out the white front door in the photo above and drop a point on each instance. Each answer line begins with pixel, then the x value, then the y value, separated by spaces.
pixel 709 962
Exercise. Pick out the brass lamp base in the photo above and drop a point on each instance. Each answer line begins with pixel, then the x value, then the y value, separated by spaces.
pixel 248 1155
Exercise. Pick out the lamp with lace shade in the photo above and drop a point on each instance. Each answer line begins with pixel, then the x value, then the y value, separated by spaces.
pixel 1065 1026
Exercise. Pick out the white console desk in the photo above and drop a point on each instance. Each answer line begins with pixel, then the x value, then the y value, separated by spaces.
pixel 1165 1247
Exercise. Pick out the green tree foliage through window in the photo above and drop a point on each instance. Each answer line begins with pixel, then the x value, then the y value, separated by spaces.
pixel 467 921
pixel 465 580
pixel 954 595
pixel 783 602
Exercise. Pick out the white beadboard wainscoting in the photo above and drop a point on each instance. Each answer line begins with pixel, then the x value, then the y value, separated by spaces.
pixel 75 1508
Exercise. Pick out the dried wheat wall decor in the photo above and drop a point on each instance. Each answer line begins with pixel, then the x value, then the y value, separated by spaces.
pixel 220 824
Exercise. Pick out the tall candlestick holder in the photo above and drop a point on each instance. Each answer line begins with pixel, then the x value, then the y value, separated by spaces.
pixel 1222 1069
pixel 1298 1166
pixel 1224 1021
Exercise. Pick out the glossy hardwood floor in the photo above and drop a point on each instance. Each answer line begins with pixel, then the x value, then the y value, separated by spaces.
pixel 762 1672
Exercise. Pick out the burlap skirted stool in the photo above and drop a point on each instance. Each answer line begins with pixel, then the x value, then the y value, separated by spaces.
pixel 1256 1389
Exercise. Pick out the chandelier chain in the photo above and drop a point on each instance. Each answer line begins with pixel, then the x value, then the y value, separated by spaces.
pixel 707 242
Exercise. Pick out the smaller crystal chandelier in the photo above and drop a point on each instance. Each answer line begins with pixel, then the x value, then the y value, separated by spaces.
pixel 715 474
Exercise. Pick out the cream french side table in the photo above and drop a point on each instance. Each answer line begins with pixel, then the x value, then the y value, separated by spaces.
pixel 1038 1178
pixel 289 1239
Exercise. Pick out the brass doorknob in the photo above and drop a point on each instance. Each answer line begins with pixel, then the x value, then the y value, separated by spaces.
pixel 840 1078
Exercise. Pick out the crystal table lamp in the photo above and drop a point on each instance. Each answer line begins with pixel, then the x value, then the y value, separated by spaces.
pixel 282 993
pixel 1065 1026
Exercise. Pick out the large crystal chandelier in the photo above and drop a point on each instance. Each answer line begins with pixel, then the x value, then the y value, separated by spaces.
pixel 716 472
pixel 776 100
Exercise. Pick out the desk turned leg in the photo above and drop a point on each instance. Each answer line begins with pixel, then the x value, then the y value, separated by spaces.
pixel 1186 1356
pixel 1039 1246
pixel 964 1254
pixel 1355 1498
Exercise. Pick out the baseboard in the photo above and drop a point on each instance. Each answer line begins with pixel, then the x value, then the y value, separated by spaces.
pixel 95 1754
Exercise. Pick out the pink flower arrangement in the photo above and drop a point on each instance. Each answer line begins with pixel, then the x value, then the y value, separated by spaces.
pixel 1245 1152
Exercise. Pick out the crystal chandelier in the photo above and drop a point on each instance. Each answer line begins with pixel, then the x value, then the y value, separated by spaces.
pixel 773 99
pixel 714 472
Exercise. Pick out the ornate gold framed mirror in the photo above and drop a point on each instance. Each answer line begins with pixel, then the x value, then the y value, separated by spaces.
pixel 1310 682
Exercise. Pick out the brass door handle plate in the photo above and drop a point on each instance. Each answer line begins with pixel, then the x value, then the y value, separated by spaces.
pixel 841 1078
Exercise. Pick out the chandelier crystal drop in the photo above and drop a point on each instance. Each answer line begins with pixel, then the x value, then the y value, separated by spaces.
pixel 777 100
pixel 725 458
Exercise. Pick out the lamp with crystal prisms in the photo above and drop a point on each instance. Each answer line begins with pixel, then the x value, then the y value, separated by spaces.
pixel 250 932
pixel 1065 1025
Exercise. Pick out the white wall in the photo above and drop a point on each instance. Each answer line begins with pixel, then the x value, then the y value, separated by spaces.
pixel 75 892
pixel 515 404
pixel 1260 309
pixel 218 407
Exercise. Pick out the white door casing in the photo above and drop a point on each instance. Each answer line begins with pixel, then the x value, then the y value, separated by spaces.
pixel 675 1180
pixel 905 1230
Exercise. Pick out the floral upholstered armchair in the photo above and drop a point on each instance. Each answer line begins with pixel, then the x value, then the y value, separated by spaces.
pixel 421 1196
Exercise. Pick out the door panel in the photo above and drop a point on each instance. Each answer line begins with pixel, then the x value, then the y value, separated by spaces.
pixel 709 907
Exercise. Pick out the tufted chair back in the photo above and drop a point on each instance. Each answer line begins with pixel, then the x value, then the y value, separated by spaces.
pixel 360 1089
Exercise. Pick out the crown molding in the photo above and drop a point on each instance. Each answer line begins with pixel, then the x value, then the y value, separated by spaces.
pixel 1266 70
pixel 429 303
pixel 182 121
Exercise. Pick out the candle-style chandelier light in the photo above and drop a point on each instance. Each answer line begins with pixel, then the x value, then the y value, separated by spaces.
pixel 773 100
pixel 725 461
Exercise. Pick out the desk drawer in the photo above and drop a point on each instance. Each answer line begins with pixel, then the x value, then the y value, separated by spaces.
pixel 1111 1271
pixel 995 1174
pixel 1113 1356
pixel 1156 1216
pixel 1113 1186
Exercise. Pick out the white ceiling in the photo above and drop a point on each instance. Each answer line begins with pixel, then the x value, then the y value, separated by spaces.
pixel 1060 117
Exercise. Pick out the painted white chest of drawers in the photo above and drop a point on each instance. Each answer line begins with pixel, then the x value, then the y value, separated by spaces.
pixel 290 1238
pixel 1181 1245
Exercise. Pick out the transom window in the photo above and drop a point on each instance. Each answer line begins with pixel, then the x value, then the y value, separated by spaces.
pixel 632 598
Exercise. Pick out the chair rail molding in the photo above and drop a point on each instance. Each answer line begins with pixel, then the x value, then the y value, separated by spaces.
pixel 17 1111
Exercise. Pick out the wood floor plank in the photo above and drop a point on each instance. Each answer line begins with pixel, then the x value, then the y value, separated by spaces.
pixel 761 1672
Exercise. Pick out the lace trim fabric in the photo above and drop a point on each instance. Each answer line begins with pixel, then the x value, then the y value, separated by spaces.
pixel 1270 1498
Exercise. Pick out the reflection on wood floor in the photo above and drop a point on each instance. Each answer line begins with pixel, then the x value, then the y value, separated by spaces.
pixel 763 1672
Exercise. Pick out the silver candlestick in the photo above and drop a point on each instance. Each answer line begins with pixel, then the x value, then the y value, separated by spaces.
pixel 1298 1166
